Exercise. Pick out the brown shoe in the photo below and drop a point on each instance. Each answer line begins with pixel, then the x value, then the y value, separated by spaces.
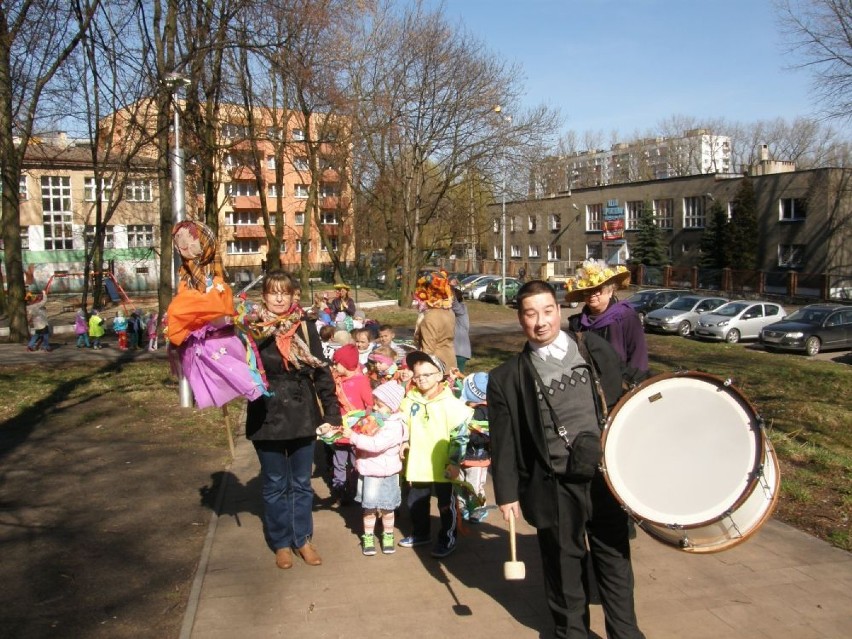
pixel 309 554
pixel 284 558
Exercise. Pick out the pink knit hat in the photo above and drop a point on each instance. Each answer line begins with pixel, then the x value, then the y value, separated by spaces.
pixel 390 394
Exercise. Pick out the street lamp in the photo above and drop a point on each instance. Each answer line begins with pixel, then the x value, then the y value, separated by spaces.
pixel 174 81
pixel 506 118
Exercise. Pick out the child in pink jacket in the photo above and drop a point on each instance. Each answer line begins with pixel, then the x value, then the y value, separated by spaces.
pixel 378 461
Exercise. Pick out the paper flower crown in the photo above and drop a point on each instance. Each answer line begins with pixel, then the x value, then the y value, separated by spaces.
pixel 594 274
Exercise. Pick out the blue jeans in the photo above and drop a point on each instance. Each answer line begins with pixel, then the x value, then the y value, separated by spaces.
pixel 285 467
pixel 44 336
pixel 83 340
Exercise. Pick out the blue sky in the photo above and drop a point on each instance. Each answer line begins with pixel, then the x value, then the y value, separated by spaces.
pixel 625 65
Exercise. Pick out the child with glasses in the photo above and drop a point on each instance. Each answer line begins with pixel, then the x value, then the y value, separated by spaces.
pixel 438 432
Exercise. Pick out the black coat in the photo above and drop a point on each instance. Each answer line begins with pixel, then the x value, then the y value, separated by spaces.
pixel 293 410
pixel 519 455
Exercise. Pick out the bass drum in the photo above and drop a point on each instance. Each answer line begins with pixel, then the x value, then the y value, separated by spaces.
pixel 687 457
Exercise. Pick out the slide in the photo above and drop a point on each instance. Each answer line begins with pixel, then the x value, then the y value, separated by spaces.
pixel 111 290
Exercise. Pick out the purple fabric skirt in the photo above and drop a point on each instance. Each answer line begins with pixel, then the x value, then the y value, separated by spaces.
pixel 213 359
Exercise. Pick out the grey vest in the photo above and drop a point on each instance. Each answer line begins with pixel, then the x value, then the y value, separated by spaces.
pixel 570 392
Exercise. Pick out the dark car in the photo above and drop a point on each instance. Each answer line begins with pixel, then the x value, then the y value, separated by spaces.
pixel 643 302
pixel 811 329
pixel 559 287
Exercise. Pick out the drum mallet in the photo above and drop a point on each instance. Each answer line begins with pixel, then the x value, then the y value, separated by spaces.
pixel 513 570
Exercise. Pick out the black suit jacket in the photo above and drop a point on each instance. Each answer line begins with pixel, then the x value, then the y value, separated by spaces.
pixel 519 456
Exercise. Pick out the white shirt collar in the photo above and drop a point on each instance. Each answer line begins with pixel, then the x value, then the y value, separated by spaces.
pixel 558 348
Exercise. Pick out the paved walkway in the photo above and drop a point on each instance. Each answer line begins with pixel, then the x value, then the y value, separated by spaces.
pixel 781 583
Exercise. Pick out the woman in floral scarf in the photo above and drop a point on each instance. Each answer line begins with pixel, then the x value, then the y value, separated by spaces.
pixel 283 426
pixel 435 329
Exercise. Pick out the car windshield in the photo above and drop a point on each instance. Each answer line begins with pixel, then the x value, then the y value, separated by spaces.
pixel 469 279
pixel 731 310
pixel 639 298
pixel 682 303
pixel 808 316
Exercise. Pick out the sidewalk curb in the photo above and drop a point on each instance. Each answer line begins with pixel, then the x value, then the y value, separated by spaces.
pixel 201 569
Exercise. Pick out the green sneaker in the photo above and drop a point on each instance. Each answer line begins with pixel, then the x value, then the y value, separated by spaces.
pixel 368 545
pixel 388 546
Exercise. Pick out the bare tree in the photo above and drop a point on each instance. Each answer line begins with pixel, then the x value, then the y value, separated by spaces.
pixel 426 96
pixel 820 32
pixel 36 39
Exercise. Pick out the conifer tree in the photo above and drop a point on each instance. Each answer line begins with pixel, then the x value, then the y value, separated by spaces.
pixel 714 239
pixel 648 249
pixel 743 239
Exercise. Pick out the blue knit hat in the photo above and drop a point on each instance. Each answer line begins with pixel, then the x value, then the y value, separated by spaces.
pixel 474 387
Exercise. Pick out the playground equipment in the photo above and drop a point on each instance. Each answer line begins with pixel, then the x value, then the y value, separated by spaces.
pixel 113 289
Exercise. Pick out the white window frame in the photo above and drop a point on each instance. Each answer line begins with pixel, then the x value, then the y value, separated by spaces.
pixel 533 251
pixel 244 188
pixel 243 247
pixel 791 255
pixel 329 189
pixel 140 235
pixel 594 217
pixel 299 246
pixel 632 214
pixel 90 191
pixel 272 190
pixel 138 190
pixel 270 162
pixel 594 251
pixel 299 219
pixel 56 212
pixel 298 135
pixel 664 213
pixel 328 218
pixel 495 225
pixel 555 222
pixel 498 252
pixel 554 253
pixel 788 209
pixel 694 212
pixel 300 191
pixel 300 163
pixel 23 191
pixel 109 235
pixel 335 245
pixel 515 251
pixel 241 218
pixel 532 223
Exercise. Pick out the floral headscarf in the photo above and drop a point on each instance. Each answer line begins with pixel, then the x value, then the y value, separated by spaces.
pixel 263 323
pixel 434 291
pixel 194 273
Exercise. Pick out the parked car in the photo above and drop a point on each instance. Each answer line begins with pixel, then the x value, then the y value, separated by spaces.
pixel 740 319
pixel 811 329
pixel 643 302
pixel 681 314
pixel 475 289
pixel 559 287
pixel 492 291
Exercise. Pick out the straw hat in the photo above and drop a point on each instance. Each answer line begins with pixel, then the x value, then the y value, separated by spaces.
pixel 594 274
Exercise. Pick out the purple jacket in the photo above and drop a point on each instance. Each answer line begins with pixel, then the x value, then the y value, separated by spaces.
pixel 620 326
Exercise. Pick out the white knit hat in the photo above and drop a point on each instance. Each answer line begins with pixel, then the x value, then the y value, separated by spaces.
pixel 390 394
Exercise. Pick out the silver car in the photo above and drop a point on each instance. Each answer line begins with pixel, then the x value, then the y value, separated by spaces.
pixel 740 319
pixel 681 314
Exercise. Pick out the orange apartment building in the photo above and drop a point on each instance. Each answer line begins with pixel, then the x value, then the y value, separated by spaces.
pixel 279 140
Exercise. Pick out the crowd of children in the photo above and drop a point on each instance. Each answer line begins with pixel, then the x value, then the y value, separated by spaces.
pixel 408 423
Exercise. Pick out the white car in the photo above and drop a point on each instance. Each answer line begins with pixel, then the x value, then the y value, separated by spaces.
pixel 475 289
pixel 740 319
pixel 681 314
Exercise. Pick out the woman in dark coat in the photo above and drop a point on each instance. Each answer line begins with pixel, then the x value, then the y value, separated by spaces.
pixel 282 426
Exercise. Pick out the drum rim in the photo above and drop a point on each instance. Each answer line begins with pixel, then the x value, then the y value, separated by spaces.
pixel 730 543
pixel 719 381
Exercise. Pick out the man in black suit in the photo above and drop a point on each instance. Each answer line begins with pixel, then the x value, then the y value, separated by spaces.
pixel 540 402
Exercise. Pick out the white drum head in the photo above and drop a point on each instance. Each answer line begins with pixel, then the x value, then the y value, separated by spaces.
pixel 682 450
